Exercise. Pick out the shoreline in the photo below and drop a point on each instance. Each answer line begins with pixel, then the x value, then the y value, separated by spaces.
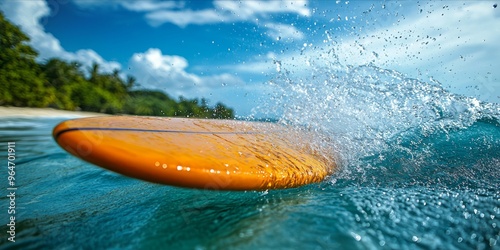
pixel 20 112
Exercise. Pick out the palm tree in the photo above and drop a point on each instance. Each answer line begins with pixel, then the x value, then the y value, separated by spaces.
pixel 94 73
pixel 131 82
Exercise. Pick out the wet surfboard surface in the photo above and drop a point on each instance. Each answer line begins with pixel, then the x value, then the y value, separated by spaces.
pixel 197 153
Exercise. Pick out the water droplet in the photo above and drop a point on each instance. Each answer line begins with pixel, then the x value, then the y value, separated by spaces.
pixel 278 65
pixel 157 163
pixel 164 165
pixel 179 168
pixel 356 236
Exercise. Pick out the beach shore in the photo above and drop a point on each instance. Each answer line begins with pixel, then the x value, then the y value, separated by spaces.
pixel 43 112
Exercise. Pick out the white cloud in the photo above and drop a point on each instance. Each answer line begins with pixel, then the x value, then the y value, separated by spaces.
pixel 87 57
pixel 145 5
pixel 161 62
pixel 133 5
pixel 27 15
pixel 288 33
pixel 184 17
pixel 247 10
pixel 260 65
pixel 168 72
pixel 227 11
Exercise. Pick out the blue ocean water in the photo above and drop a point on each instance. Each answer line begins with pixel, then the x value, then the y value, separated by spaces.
pixel 419 168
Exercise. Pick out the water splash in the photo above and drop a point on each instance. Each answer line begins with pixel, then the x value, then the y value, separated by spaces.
pixel 365 110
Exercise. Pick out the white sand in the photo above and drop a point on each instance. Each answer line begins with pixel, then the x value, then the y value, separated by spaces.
pixel 43 112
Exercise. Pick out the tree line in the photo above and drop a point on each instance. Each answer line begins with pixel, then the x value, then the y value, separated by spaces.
pixel 59 84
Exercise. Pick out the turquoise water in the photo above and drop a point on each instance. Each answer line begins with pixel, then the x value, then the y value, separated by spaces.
pixel 447 200
pixel 419 169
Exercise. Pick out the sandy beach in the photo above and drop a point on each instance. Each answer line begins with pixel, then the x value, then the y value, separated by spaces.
pixel 43 112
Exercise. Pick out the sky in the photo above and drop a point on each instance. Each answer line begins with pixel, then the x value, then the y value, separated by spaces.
pixel 227 51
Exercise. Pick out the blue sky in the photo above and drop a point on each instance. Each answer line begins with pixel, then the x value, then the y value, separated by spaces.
pixel 226 51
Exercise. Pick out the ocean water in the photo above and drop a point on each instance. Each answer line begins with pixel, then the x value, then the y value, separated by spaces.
pixel 419 168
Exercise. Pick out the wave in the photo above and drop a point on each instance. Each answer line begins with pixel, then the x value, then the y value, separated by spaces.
pixel 379 122
pixel 462 158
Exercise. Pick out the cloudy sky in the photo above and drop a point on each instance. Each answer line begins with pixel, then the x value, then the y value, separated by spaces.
pixel 226 51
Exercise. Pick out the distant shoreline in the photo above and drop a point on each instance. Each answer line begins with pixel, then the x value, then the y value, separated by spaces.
pixel 43 112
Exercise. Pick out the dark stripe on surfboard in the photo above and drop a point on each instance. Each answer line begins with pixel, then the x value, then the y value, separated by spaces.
pixel 160 131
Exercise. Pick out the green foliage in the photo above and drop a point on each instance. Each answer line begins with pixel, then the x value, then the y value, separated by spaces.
pixel 222 112
pixel 63 79
pixel 21 82
pixel 157 103
pixel 149 102
pixel 63 85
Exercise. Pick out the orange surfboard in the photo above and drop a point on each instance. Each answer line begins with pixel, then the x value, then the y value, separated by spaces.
pixel 197 153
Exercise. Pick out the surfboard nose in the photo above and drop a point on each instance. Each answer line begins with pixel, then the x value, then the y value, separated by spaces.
pixel 59 128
